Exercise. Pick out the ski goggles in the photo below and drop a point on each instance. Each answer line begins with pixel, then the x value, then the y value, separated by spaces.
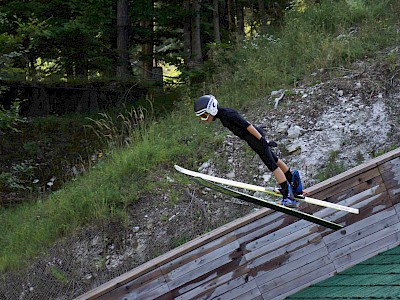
pixel 204 116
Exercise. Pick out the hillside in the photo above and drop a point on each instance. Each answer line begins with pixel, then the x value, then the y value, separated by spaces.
pixel 325 125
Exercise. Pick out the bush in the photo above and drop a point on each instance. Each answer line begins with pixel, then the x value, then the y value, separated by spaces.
pixel 10 117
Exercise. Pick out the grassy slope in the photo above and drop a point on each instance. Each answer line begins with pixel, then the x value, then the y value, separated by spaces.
pixel 308 41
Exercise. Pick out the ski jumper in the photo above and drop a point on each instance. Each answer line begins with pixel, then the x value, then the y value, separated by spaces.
pixel 232 120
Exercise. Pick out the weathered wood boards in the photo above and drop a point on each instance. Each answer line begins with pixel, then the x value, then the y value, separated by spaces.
pixel 270 255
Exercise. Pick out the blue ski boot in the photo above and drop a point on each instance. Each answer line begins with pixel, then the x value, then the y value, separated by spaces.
pixel 297 185
pixel 288 200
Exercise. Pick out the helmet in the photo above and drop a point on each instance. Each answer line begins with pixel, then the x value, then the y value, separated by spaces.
pixel 206 104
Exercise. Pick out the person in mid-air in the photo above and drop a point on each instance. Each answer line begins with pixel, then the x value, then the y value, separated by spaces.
pixel 207 108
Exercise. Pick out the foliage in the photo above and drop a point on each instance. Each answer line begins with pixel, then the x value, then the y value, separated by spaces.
pixel 333 167
pixel 325 36
pixel 10 117
pixel 18 178
pixel 118 131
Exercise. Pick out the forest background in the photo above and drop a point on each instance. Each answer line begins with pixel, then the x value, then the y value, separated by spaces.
pixel 61 173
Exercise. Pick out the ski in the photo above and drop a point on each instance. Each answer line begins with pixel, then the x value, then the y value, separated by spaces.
pixel 263 189
pixel 264 203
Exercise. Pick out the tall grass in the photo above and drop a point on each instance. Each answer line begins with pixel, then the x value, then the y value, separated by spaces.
pixel 309 40
pixel 328 35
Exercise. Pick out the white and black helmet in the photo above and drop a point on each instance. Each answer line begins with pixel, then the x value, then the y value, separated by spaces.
pixel 205 105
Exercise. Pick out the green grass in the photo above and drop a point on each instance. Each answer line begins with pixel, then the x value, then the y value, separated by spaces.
pixel 241 77
pixel 309 41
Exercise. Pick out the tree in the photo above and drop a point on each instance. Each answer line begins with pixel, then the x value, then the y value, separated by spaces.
pixel 123 38
pixel 217 34
pixel 187 33
pixel 196 34
pixel 263 16
pixel 72 39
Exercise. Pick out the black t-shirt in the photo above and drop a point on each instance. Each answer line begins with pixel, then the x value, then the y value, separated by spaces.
pixel 232 120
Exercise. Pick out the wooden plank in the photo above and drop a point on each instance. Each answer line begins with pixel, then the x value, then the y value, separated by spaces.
pixel 397 209
pixel 146 282
pixel 263 227
pixel 297 283
pixel 359 226
pixel 367 207
pixel 366 248
pixel 265 271
pixel 347 195
pixel 292 289
pixel 281 239
pixel 346 184
pixel 246 229
pixel 362 242
pixel 253 294
pixel 391 176
pixel 212 274
pixel 392 181
pixel 161 292
pixel 302 227
pixel 195 275
pixel 391 165
pixel 367 231
pixel 395 195
pixel 282 255
pixel 192 261
pixel 217 285
pixel 302 270
pixel 234 289
pixel 205 249
pixel 354 172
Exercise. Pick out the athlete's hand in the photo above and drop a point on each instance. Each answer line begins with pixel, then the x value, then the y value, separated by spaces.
pixel 266 142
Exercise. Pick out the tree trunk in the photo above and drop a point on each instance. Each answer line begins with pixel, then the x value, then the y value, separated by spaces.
pixel 217 35
pixel 263 16
pixel 240 16
pixel 187 33
pixel 147 47
pixel 196 34
pixel 231 15
pixel 122 38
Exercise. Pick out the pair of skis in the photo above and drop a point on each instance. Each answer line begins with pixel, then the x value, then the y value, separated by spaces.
pixel 207 180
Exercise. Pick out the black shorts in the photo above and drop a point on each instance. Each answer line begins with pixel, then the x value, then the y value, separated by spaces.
pixel 268 156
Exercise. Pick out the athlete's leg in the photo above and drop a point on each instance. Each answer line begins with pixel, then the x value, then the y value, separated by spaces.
pixel 285 169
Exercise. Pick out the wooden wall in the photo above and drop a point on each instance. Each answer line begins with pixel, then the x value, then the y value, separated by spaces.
pixel 269 255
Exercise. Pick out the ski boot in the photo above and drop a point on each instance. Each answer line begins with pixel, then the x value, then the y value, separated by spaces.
pixel 289 200
pixel 297 185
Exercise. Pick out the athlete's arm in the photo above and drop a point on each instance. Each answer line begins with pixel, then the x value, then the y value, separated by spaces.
pixel 254 132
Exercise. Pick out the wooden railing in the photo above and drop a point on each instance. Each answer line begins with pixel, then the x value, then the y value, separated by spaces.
pixel 269 255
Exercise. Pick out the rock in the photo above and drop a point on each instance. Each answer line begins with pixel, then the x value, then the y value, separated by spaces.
pixel 277 93
pixel 282 128
pixel 266 177
pixel 231 175
pixel 204 166
pixel 294 132
pixel 293 147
